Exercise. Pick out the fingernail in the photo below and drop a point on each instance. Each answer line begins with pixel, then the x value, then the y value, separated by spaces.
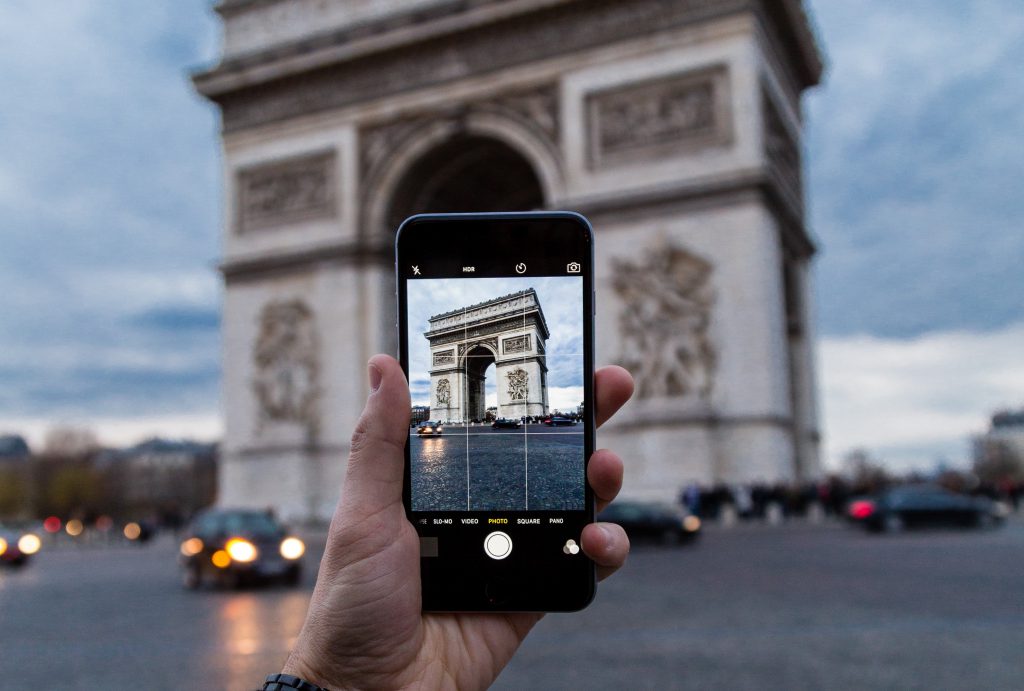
pixel 375 377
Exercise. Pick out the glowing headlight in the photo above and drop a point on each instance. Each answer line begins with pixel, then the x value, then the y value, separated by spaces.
pixel 132 531
pixel 191 547
pixel 29 543
pixel 691 524
pixel 240 550
pixel 74 527
pixel 3 545
pixel 292 548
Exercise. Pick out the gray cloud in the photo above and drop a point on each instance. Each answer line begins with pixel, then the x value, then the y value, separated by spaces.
pixel 914 154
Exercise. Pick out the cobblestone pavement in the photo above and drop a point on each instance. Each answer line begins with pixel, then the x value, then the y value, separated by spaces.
pixel 752 607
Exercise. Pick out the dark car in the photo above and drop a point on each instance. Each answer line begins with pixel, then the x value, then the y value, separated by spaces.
pixel 650 521
pixel 232 547
pixel 558 420
pixel 17 545
pixel 430 428
pixel 506 423
pixel 920 506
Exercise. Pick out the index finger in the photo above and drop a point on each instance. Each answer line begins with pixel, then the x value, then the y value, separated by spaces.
pixel 613 386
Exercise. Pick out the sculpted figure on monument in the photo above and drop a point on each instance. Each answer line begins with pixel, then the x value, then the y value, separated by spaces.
pixel 518 384
pixel 286 363
pixel 667 299
pixel 444 392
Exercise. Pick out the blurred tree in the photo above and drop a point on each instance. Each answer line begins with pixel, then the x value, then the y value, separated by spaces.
pixel 13 492
pixel 69 441
pixel 74 489
pixel 996 460
pixel 867 474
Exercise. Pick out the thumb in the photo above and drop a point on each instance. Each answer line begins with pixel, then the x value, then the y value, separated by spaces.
pixel 376 462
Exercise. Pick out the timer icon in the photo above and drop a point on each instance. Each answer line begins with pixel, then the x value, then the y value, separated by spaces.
pixel 520 268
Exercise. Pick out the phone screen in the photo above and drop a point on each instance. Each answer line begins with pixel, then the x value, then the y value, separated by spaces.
pixel 496 337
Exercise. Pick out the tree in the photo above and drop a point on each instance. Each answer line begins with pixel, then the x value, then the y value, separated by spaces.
pixel 996 460
pixel 70 442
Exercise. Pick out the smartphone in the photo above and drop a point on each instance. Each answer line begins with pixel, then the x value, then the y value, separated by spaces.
pixel 496 336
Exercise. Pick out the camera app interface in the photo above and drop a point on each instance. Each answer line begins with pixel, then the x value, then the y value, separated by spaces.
pixel 496 372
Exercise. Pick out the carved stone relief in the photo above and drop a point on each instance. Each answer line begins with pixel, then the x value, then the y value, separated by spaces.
pixel 444 392
pixel 284 192
pixel 536 108
pixel 492 342
pixel 518 384
pixel 286 382
pixel 653 119
pixel 667 303
pixel 516 344
pixel 445 357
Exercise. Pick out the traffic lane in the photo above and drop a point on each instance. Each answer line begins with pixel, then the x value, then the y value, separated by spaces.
pixel 119 618
pixel 796 607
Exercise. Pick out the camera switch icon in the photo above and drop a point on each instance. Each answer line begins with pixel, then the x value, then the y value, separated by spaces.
pixel 573 267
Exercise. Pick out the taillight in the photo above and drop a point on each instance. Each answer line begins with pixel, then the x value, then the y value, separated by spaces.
pixel 861 509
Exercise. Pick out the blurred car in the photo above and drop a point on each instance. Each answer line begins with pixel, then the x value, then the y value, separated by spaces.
pixel 558 420
pixel 235 546
pixel 17 545
pixel 506 423
pixel 919 506
pixel 429 427
pixel 651 521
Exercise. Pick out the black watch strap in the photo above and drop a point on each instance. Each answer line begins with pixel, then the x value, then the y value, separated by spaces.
pixel 288 682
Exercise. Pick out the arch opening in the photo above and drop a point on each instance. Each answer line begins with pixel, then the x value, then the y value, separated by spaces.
pixel 467 173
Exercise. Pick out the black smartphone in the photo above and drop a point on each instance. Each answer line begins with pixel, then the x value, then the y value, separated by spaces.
pixel 496 336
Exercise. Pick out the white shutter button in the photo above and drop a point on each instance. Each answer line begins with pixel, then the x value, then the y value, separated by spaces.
pixel 498 545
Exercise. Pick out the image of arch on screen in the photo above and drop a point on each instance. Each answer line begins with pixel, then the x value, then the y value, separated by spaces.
pixel 496 377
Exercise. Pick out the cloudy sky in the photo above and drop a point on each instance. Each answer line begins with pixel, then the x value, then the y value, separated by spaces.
pixel 109 214
pixel 561 300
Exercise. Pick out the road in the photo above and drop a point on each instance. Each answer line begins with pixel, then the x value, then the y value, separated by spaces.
pixel 752 607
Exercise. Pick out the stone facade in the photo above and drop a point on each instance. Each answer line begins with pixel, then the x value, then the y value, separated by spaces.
pixel 674 125
pixel 509 332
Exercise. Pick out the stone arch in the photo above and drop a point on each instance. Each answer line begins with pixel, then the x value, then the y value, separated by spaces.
pixel 508 331
pixel 391 154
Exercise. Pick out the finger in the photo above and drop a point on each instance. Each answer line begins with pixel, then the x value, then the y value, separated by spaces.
pixel 376 461
pixel 613 386
pixel 604 473
pixel 607 545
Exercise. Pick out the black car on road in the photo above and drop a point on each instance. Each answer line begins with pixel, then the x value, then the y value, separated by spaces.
pixel 559 421
pixel 919 506
pixel 506 423
pixel 236 546
pixel 652 521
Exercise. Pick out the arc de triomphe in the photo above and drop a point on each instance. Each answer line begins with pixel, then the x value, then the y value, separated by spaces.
pixel 508 332
pixel 674 125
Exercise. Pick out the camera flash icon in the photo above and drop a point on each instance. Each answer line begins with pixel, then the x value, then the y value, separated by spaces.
pixel 571 547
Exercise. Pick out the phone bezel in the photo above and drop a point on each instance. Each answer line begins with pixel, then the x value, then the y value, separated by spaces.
pixel 564 589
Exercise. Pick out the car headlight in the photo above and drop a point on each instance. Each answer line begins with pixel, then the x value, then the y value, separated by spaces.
pixel 191 547
pixel 221 559
pixel 3 545
pixel 240 549
pixel 132 530
pixel 691 524
pixel 292 548
pixel 29 543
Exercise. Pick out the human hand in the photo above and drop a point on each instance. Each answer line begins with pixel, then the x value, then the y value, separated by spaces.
pixel 365 627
